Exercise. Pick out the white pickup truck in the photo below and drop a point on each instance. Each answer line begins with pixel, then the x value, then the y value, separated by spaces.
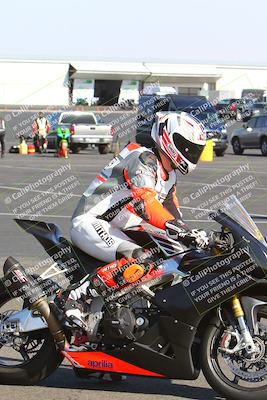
pixel 85 130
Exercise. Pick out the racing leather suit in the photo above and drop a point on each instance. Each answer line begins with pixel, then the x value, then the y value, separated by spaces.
pixel 41 127
pixel 133 188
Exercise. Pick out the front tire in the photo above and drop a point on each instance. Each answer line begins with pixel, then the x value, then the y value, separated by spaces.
pixel 213 375
pixel 237 149
pixel 264 147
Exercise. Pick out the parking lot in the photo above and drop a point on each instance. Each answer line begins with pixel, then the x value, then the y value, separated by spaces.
pixel 26 184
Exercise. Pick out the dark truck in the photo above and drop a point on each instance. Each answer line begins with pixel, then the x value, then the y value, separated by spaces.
pixel 198 106
pixel 226 108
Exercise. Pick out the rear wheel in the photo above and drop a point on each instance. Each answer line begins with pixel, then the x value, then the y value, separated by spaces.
pixel 219 153
pixel 75 149
pixel 264 147
pixel 27 358
pixel 237 149
pixel 104 148
pixel 234 376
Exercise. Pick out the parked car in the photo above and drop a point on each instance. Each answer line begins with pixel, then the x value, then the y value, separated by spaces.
pixel 198 106
pixel 257 94
pixel 248 108
pixel 252 135
pixel 258 108
pixel 215 130
pixel 85 130
pixel 226 108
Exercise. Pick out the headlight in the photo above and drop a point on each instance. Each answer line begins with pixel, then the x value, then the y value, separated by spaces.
pixel 224 130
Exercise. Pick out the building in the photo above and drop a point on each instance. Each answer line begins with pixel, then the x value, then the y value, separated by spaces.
pixel 61 83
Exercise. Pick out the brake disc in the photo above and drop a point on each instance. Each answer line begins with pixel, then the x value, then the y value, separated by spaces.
pixel 259 357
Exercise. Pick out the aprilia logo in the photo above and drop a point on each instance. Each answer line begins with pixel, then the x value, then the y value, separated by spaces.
pixel 103 234
pixel 100 364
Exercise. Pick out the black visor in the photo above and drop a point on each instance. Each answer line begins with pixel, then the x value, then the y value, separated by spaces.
pixel 189 150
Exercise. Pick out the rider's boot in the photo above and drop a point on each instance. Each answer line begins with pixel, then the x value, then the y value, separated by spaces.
pixel 107 282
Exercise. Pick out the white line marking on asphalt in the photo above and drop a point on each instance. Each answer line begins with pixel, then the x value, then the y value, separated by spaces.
pixel 34 216
pixel 48 170
pixel 197 208
pixel 37 191
pixel 207 184
pixel 69 217
pixel 231 166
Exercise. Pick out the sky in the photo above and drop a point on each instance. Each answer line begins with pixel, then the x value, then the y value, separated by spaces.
pixel 193 31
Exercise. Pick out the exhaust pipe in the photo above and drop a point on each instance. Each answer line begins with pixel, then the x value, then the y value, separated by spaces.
pixel 52 322
pixel 20 284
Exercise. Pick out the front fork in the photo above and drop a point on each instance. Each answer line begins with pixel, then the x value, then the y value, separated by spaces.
pixel 243 335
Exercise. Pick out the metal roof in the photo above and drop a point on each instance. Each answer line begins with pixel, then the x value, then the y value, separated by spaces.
pixel 143 71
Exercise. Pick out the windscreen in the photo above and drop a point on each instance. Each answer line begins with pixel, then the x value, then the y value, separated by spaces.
pixel 234 209
pixel 78 119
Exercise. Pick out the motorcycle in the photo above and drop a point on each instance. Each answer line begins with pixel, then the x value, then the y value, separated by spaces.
pixel 82 101
pixel 63 138
pixel 202 310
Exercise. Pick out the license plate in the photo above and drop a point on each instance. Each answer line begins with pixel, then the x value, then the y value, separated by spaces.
pixel 87 140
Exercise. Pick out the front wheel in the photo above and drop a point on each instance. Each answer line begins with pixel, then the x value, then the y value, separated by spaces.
pixel 235 376
pixel 264 147
pixel 25 359
pixel 237 149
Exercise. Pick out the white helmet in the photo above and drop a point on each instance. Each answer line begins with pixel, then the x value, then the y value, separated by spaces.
pixel 181 138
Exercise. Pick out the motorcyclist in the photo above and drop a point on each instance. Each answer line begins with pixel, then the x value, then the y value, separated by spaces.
pixel 41 127
pixel 2 137
pixel 61 133
pixel 138 185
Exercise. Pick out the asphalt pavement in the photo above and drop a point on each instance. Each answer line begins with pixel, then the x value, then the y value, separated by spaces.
pixel 49 188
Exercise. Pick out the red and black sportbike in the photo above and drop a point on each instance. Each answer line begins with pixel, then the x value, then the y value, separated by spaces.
pixel 205 310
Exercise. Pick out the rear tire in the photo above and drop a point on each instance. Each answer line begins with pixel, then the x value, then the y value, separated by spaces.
pixel 219 153
pixel 46 361
pixel 40 366
pixel 75 149
pixel 104 148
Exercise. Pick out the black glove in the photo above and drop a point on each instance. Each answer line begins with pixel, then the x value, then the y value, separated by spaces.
pixel 178 230
pixel 220 240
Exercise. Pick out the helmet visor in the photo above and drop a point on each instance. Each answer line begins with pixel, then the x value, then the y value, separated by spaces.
pixel 191 151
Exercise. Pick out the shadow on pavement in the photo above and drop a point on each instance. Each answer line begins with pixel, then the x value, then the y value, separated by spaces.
pixel 65 378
